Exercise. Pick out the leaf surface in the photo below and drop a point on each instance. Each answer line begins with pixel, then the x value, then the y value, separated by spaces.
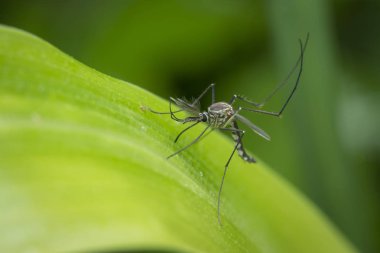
pixel 83 168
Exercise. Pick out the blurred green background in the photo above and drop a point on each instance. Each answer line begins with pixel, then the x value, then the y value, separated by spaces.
pixel 327 143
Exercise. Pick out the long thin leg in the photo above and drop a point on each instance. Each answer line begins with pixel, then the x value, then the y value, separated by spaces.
pixel 212 93
pixel 285 81
pixel 227 129
pixel 241 98
pixel 261 104
pixel 184 130
pixel 206 134
pixel 300 58
pixel 191 143
pixel 225 172
pixel 237 136
pixel 298 77
pixel 212 87
pixel 258 105
pixel 278 114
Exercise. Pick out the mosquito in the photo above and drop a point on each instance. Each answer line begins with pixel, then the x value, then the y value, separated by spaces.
pixel 222 116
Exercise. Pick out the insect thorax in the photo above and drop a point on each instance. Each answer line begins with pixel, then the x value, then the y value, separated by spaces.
pixel 219 114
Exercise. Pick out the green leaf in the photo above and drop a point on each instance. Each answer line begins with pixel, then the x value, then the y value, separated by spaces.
pixel 83 167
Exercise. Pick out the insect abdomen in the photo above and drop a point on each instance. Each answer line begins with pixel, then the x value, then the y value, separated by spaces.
pixel 240 149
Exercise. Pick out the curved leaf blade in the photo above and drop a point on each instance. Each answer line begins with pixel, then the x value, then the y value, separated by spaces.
pixel 82 167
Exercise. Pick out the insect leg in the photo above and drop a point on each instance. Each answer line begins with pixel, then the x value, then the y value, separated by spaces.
pixel 237 136
pixel 184 130
pixel 225 170
pixel 241 98
pixel 193 142
pixel 255 104
pixel 278 114
pixel 212 87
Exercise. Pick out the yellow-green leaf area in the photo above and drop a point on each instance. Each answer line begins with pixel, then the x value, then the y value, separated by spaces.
pixel 83 168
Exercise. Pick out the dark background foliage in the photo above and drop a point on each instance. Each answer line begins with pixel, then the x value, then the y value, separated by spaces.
pixel 327 144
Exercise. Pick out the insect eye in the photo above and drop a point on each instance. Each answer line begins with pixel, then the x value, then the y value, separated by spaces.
pixel 204 117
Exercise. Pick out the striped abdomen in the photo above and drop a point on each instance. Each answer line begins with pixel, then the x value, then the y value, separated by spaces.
pixel 240 149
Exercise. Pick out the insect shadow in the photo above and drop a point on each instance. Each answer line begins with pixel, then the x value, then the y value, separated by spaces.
pixel 222 116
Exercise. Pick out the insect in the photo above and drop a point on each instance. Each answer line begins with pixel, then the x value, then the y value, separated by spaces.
pixel 222 116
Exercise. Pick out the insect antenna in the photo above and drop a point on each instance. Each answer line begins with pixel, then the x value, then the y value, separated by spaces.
pixel 171 112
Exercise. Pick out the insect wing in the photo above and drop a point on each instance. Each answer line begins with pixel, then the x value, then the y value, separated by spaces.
pixel 187 106
pixel 252 126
